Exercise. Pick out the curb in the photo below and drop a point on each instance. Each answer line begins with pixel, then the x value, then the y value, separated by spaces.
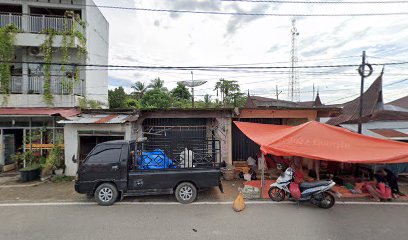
pixel 30 204
pixel 23 185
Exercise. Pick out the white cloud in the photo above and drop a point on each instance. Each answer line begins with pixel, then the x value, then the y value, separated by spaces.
pixel 152 38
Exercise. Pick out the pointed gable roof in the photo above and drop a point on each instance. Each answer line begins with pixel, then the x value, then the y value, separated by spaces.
pixel 401 102
pixel 317 101
pixel 372 101
pixel 257 101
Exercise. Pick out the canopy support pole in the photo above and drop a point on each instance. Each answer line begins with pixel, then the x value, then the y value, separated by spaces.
pixel 262 174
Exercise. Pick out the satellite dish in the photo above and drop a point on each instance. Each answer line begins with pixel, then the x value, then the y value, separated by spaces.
pixel 192 83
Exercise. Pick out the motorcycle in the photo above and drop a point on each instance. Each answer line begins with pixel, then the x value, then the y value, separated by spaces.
pixel 318 193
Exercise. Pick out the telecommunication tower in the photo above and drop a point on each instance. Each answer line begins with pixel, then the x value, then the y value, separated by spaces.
pixel 294 85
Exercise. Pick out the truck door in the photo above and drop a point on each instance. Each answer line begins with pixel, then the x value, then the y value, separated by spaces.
pixel 103 163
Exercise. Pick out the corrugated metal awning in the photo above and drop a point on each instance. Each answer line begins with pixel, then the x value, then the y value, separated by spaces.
pixel 100 119
pixel 63 112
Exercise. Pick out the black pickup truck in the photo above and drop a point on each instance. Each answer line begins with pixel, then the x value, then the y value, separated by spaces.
pixel 116 169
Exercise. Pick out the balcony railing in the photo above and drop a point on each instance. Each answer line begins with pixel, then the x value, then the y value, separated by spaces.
pixel 35 85
pixel 38 23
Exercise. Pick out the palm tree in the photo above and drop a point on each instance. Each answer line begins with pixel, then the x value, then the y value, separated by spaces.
pixel 157 83
pixel 207 100
pixel 140 89
pixel 227 88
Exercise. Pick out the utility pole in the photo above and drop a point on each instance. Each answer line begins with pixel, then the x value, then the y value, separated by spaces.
pixel 361 71
pixel 277 95
pixel 192 89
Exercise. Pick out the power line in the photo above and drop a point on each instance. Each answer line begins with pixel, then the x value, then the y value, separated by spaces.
pixel 393 83
pixel 358 93
pixel 304 60
pixel 317 2
pixel 245 13
pixel 262 14
pixel 203 68
pixel 343 98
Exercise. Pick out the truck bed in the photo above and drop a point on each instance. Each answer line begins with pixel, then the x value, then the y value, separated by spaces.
pixel 145 182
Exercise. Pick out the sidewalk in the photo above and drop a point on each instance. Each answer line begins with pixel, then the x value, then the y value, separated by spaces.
pixel 13 191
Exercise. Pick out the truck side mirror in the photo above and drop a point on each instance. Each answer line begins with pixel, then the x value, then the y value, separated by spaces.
pixel 74 160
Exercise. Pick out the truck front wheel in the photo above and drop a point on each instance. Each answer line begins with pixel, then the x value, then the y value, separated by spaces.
pixel 106 194
pixel 186 193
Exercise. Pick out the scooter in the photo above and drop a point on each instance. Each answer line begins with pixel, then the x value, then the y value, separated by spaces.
pixel 318 193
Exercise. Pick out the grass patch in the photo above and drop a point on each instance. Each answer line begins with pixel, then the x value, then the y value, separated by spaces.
pixel 61 179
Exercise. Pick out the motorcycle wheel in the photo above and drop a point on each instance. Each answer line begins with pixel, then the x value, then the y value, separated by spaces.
pixel 327 201
pixel 276 194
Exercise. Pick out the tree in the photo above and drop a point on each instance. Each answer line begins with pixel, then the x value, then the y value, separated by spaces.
pixel 156 98
pixel 140 89
pixel 239 99
pixel 183 103
pixel 207 100
pixel 180 93
pixel 157 83
pixel 133 103
pixel 117 98
pixel 229 90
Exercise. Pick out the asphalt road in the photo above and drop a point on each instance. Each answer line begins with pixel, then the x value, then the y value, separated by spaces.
pixel 175 221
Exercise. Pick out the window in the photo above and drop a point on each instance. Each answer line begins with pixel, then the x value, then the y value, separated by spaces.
pixel 110 155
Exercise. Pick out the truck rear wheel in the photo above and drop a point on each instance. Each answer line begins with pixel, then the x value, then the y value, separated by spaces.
pixel 186 193
pixel 106 194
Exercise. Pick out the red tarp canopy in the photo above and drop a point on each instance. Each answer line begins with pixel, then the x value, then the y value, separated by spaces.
pixel 323 142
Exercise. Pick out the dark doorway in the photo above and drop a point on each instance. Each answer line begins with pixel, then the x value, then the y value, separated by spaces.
pixel 242 146
pixel 13 142
pixel 18 137
pixel 87 143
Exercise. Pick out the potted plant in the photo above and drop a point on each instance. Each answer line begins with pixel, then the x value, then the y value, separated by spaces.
pixel 32 169
pixel 53 162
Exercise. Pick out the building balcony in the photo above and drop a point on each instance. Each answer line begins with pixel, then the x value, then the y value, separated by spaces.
pixel 35 85
pixel 28 92
pixel 32 25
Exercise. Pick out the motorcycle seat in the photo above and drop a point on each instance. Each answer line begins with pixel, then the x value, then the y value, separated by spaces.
pixel 306 185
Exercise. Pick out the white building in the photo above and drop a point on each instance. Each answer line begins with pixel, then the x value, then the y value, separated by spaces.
pixel 32 18
pixel 23 110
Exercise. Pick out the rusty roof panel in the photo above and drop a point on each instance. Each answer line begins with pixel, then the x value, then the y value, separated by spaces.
pixel 106 119
pixel 389 133
pixel 100 119
pixel 40 111
pixel 401 102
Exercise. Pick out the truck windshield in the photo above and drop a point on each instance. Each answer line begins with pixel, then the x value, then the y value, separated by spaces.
pixel 104 154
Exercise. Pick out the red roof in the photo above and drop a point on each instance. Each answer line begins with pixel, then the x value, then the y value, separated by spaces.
pixel 320 141
pixel 63 112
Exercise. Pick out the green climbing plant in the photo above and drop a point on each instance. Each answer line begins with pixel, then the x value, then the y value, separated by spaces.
pixel 54 159
pixel 7 48
pixel 69 34
pixel 46 47
pixel 77 33
pixel 68 41
pixel 89 104
pixel 67 83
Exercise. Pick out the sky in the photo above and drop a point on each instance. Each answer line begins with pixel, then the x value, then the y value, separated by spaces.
pixel 188 39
